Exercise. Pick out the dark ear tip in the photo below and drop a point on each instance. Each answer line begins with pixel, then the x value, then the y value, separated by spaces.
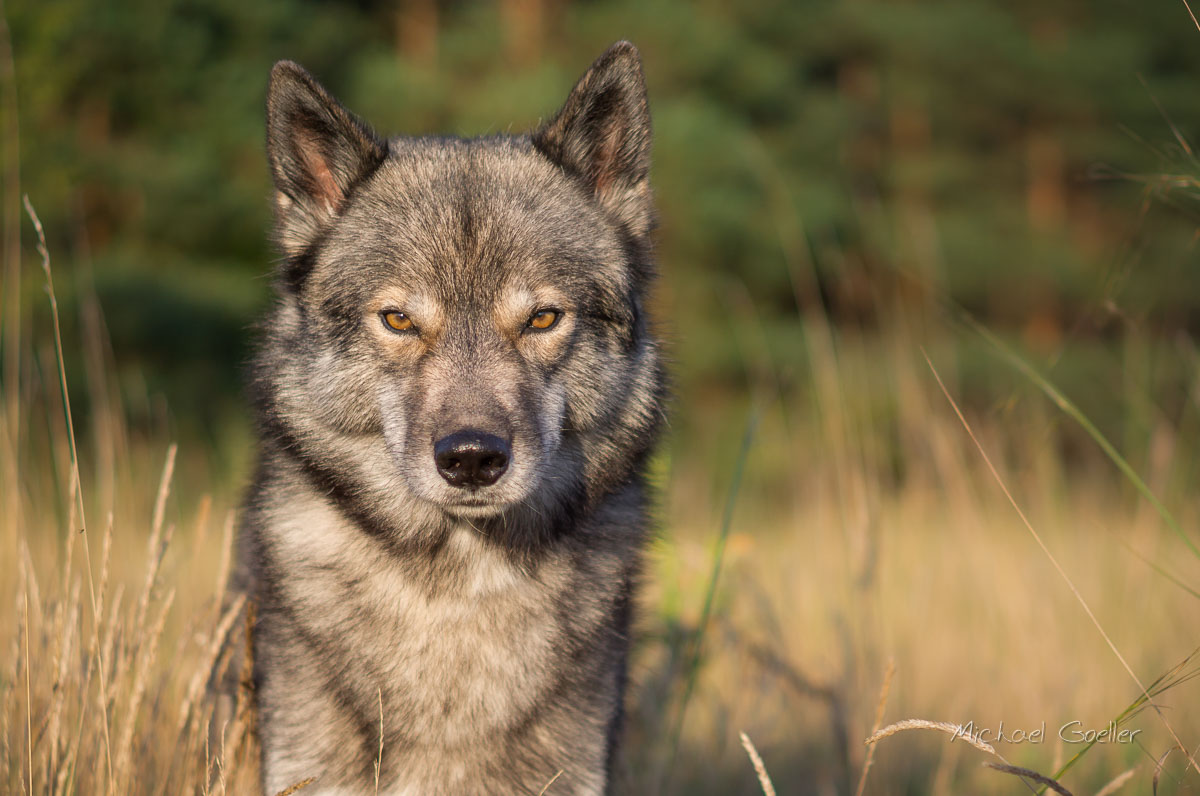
pixel 288 72
pixel 624 47
pixel 623 51
pixel 286 67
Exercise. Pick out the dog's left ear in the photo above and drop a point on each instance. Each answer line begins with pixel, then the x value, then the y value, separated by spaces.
pixel 602 136
pixel 318 152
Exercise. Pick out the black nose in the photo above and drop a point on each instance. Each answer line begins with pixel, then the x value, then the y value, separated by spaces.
pixel 471 458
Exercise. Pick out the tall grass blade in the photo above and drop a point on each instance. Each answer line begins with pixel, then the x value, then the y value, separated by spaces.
pixel 1173 677
pixel 1163 571
pixel 1071 410
pixel 77 490
pixel 10 293
pixel 693 665
pixel 1087 609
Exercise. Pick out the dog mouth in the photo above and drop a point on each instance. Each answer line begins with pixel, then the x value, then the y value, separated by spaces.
pixel 475 509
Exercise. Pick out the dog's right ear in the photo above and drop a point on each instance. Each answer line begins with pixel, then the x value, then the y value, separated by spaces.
pixel 318 152
pixel 602 136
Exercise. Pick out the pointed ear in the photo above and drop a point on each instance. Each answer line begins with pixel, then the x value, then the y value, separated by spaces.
pixel 602 136
pixel 318 152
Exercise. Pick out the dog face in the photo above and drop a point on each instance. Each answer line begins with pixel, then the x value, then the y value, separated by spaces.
pixel 460 323
pixel 470 311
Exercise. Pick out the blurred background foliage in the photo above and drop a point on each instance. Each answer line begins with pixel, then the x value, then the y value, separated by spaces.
pixel 854 158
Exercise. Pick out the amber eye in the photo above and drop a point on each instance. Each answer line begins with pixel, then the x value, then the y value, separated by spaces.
pixel 397 321
pixel 543 319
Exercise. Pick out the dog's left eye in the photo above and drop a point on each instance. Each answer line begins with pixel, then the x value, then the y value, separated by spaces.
pixel 397 321
pixel 543 319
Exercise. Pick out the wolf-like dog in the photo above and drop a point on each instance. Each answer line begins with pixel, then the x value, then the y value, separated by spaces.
pixel 457 391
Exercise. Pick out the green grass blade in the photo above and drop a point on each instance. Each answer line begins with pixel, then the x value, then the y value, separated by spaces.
pixel 711 591
pixel 1162 571
pixel 1173 677
pixel 1072 411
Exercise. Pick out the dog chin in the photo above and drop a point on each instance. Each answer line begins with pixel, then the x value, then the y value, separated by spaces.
pixel 474 511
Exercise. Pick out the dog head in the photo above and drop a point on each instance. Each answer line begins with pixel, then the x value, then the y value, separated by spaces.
pixel 460 328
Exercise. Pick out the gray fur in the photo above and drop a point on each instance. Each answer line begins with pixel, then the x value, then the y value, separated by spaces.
pixel 490 623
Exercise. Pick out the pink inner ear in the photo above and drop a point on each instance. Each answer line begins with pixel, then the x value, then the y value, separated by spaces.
pixel 316 166
pixel 604 157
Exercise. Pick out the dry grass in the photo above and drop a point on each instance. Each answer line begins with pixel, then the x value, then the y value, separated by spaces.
pixel 106 711
pixel 102 713
pixel 976 623
pixel 760 768
pixel 941 575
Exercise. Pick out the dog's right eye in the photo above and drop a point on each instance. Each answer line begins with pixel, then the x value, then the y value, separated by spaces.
pixel 543 319
pixel 397 321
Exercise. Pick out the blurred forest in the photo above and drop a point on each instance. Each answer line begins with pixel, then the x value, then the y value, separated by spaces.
pixel 1027 160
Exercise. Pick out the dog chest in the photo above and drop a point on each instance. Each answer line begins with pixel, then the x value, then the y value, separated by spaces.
pixel 452 663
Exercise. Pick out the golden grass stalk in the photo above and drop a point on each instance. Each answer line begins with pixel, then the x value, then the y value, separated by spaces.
pixel 28 696
pixel 156 546
pixel 879 707
pixel 66 622
pixel 546 788
pixel 379 757
pixel 1191 14
pixel 226 557
pixel 1158 767
pixel 954 730
pixel 301 785
pixel 1117 782
pixel 1026 773
pixel 75 490
pixel 216 643
pixel 760 768
pixel 145 660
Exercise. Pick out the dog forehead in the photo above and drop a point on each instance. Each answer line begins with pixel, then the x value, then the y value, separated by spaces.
pixel 488 211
